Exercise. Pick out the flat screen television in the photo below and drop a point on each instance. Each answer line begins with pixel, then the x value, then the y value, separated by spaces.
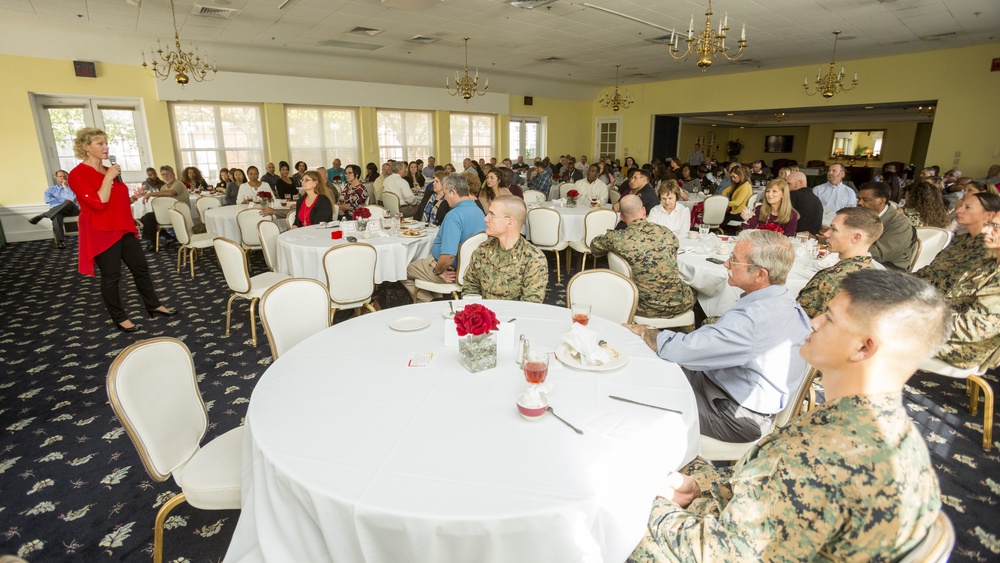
pixel 778 143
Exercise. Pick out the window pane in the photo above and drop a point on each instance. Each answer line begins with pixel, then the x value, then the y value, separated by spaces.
pixel 212 137
pixel 404 135
pixel 472 137
pixel 316 136
pixel 120 127
pixel 65 123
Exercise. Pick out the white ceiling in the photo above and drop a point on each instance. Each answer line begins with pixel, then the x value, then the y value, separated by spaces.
pixel 507 43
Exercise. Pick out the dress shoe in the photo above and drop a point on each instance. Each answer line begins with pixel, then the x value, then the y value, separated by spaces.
pixel 132 328
pixel 34 220
pixel 154 312
pixel 60 244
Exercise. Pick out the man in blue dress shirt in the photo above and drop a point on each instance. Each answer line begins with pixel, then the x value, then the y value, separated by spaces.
pixel 834 194
pixel 62 204
pixel 463 220
pixel 745 366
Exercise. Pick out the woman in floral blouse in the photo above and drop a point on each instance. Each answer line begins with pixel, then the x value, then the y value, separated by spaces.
pixel 353 194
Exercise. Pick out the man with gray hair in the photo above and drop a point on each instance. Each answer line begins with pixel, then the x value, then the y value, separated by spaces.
pixel 804 201
pixel 399 187
pixel 834 193
pixel 745 366
pixel 463 220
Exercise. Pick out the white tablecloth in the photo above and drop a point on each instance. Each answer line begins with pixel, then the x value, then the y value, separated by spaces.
pixel 300 253
pixel 222 222
pixel 693 199
pixel 350 456
pixel 715 295
pixel 140 208
pixel 573 227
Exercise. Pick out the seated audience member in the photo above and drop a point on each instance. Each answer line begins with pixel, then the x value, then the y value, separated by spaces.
pixel 776 209
pixel 193 179
pixel 462 221
pixel 651 250
pixel 331 188
pixel 591 187
pixel 507 266
pixel 172 188
pixel 353 195
pixel 738 192
pixel 570 173
pixel 371 172
pixel 397 185
pixel 639 185
pixel 433 206
pixel 745 367
pixel 495 186
pixel 892 177
pixel 691 182
pixel 250 189
pixel 316 205
pixel 950 267
pixel 924 207
pixel 336 172
pixel 284 185
pixel 380 181
pixel 852 231
pixel 509 179
pixel 540 178
pixel 236 179
pixel 62 204
pixel 428 171
pixel 269 176
pixel 848 481
pixel 669 213
pixel 971 187
pixel 804 201
pixel 834 194
pixel 992 175
pixel 759 174
pixel 520 165
pixel 898 243
pixel 152 182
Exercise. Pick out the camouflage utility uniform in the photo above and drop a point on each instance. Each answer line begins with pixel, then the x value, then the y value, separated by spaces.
pixel 518 274
pixel 976 302
pixel 651 251
pixel 951 268
pixel 848 481
pixel 816 295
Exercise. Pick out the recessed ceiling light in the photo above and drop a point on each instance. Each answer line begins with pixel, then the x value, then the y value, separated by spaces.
pixel 869 107
pixel 713 125
pixel 730 114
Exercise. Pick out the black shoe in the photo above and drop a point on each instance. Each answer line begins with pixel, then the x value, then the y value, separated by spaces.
pixel 60 244
pixel 154 312
pixel 132 328
pixel 34 220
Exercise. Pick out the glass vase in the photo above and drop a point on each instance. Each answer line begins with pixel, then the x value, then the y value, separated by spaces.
pixel 570 202
pixel 478 352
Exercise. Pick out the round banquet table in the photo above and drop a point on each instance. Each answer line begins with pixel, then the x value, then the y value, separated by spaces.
pixel 573 227
pixel 349 455
pixel 222 222
pixel 710 281
pixel 300 252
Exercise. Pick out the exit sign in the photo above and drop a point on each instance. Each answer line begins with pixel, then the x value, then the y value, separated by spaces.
pixel 85 69
pixel 995 66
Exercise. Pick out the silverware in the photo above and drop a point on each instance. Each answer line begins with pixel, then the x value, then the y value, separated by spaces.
pixel 575 429
pixel 644 404
pixel 451 305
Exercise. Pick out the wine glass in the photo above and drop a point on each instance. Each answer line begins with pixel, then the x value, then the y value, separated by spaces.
pixel 536 366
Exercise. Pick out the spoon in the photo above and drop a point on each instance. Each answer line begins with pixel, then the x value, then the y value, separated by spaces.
pixel 575 429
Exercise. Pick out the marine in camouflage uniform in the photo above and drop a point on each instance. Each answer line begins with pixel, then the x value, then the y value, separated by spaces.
pixel 518 274
pixel 848 481
pixel 951 269
pixel 976 325
pixel 651 251
pixel 816 295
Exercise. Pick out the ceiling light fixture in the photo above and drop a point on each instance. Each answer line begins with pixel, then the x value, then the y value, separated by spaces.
pixel 464 85
pixel 779 117
pixel 617 98
pixel 709 43
pixel 186 65
pixel 833 82
pixel 927 110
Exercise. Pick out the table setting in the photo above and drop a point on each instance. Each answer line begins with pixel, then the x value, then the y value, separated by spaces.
pixel 436 438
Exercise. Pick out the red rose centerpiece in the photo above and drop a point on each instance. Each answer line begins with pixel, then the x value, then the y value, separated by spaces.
pixel 772 227
pixel 477 342
pixel 265 198
pixel 571 198
pixel 361 216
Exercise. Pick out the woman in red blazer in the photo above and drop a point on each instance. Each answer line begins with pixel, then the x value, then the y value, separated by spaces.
pixel 108 235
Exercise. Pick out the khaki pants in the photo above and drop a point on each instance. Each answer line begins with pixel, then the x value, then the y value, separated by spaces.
pixel 422 269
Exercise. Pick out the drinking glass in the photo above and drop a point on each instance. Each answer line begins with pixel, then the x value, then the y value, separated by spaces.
pixel 703 230
pixel 536 366
pixel 387 224
pixel 581 313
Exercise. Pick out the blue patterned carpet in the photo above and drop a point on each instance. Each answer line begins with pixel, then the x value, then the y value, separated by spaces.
pixel 72 487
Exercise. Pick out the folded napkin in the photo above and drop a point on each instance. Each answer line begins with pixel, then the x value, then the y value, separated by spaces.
pixel 585 342
pixel 829 260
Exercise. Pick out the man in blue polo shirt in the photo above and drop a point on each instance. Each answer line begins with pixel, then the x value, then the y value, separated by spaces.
pixel 463 220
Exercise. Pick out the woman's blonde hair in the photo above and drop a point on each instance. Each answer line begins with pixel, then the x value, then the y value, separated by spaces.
pixel 83 138
pixel 784 210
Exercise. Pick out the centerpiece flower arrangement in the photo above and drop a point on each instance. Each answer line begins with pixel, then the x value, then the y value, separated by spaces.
pixel 772 227
pixel 571 198
pixel 264 197
pixel 477 342
pixel 336 178
pixel 361 215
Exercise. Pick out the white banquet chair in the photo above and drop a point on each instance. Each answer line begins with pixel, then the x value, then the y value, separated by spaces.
pixel 973 383
pixel 190 243
pixel 205 203
pixel 462 261
pixel 293 310
pixel 391 202
pixel 533 196
pixel 185 210
pixel 565 188
pixel 595 223
pixel 932 240
pixel 154 393
pixel 610 295
pixel 717 450
pixel 247 221
pixel 350 276
pixel 267 232
pixel 545 226
pixel 715 210
pixel 160 206
pixel 233 261
pixel 937 544
pixel 377 211
pixel 751 203
pixel 685 320
pixel 614 196
pixel 293 211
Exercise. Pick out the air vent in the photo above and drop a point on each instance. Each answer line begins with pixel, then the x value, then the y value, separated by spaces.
pixel 422 40
pixel 213 12
pixel 551 60
pixel 939 36
pixel 530 4
pixel 367 31
pixel 349 45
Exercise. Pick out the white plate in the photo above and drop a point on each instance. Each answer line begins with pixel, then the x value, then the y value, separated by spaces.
pixel 404 235
pixel 406 324
pixel 564 355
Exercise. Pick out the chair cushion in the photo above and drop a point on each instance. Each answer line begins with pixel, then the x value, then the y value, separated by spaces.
pixel 202 240
pixel 684 319
pixel 262 282
pixel 211 479
pixel 579 246
pixel 939 367
pixel 437 287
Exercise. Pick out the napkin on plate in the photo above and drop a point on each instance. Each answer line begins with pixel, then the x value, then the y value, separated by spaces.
pixel 585 342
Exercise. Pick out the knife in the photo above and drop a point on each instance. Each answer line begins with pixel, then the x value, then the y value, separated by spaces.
pixel 644 404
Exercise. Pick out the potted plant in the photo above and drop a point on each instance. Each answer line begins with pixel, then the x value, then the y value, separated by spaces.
pixel 734 148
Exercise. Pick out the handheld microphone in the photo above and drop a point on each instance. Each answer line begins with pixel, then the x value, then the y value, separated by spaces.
pixel 112 159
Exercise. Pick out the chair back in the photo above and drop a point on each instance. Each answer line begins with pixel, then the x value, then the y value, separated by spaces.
pixel 247 221
pixel 182 229
pixel 185 210
pixel 233 261
pixel 350 273
pixel 391 202
pixel 937 544
pixel 598 222
pixel 465 251
pixel 715 210
pixel 565 188
pixel 160 207
pixel 791 409
pixel 205 203
pixel 752 202
pixel 614 196
pixel 293 310
pixel 931 241
pixel 609 294
pixel 545 226
pixel 377 211
pixel 294 210
pixel 533 196
pixel 618 264
pixel 267 232
pixel 153 391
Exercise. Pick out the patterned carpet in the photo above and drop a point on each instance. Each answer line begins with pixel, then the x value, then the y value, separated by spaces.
pixel 72 487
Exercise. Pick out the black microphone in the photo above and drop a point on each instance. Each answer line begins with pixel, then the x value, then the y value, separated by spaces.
pixel 112 159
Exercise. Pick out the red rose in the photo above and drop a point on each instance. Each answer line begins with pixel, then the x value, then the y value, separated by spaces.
pixel 572 193
pixel 362 213
pixel 264 195
pixel 475 319
pixel 772 227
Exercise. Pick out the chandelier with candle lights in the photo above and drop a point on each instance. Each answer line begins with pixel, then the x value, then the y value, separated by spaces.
pixel 833 82
pixel 709 43
pixel 184 65
pixel 617 98
pixel 466 85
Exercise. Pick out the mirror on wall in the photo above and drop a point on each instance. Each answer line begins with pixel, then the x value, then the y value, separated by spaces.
pixel 858 144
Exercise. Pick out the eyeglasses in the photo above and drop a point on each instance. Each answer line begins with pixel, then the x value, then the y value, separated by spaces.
pixel 995 227
pixel 491 217
pixel 731 260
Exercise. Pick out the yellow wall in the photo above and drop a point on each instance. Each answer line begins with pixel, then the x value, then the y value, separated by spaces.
pixel 569 125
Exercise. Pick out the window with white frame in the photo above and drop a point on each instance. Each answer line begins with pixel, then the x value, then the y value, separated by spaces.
pixel 471 137
pixel 526 135
pixel 404 135
pixel 216 136
pixel 316 136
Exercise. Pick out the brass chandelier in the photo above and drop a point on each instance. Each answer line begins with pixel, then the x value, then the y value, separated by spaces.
pixel 465 85
pixel 709 43
pixel 186 65
pixel 833 82
pixel 617 98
